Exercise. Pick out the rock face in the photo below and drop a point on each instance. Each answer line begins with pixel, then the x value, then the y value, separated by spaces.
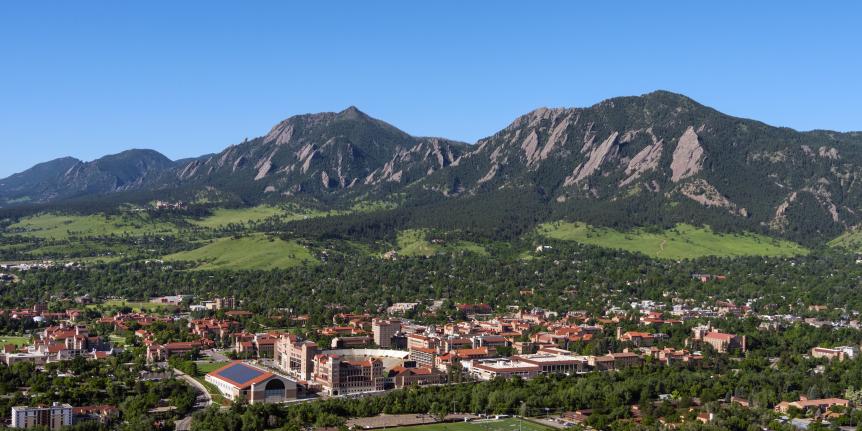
pixel 702 192
pixel 644 161
pixel 687 157
pixel 607 150
pixel 324 152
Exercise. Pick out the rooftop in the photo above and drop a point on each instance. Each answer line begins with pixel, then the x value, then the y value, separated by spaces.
pixel 241 374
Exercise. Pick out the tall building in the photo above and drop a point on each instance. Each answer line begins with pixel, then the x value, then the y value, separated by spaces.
pixel 339 377
pixel 295 357
pixel 384 330
pixel 54 417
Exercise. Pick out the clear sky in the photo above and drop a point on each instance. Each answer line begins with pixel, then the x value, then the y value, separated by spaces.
pixel 91 78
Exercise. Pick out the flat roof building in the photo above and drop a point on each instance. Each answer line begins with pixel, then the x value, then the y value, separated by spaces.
pixel 53 417
pixel 490 369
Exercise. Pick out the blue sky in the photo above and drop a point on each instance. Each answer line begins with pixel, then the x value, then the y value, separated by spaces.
pixel 86 79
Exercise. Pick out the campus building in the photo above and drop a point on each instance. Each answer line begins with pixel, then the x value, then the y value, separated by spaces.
pixel 295 357
pixel 239 380
pixel 384 330
pixel 338 376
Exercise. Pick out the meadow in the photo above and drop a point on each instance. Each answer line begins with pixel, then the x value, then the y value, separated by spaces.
pixel 255 251
pixel 62 226
pixel 413 242
pixel 850 240
pixel 683 241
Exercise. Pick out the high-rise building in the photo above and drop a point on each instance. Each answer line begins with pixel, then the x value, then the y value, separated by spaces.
pixel 384 330
pixel 295 357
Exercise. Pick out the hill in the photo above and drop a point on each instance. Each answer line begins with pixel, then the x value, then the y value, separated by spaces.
pixel 249 252
pixel 68 177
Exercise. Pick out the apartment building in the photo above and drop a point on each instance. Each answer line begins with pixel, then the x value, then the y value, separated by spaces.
pixel 53 417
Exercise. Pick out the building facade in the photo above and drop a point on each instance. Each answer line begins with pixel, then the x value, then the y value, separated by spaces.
pixel 54 417
pixel 384 330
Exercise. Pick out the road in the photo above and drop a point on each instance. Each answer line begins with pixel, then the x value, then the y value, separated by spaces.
pixel 203 400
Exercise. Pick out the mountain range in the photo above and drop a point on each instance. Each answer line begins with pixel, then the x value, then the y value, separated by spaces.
pixel 655 158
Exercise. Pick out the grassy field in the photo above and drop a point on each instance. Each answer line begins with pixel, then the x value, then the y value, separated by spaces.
pixel 250 252
pixel 684 241
pixel 208 367
pixel 412 242
pixel 851 240
pixel 225 216
pixel 369 206
pixel 117 340
pixel 14 339
pixel 136 306
pixel 61 226
pixel 497 425
pixel 218 398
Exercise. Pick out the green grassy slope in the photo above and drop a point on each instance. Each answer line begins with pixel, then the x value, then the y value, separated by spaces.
pixel 225 216
pixel 250 252
pixel 850 240
pixel 684 241
pixel 61 226
pixel 412 242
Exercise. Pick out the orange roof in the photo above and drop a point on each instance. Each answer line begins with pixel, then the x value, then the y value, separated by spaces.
pixel 720 336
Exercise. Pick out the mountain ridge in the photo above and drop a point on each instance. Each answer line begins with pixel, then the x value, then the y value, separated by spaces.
pixel 661 155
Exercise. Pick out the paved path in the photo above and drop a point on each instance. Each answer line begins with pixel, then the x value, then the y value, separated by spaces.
pixel 215 355
pixel 185 423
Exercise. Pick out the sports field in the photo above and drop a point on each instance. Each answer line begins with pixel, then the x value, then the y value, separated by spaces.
pixel 14 339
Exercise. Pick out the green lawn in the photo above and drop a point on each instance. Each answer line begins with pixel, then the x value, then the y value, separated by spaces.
pixel 684 241
pixel 497 425
pixel 255 251
pixel 412 242
pixel 62 226
pixel 136 306
pixel 117 340
pixel 14 339
pixel 215 394
pixel 207 367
